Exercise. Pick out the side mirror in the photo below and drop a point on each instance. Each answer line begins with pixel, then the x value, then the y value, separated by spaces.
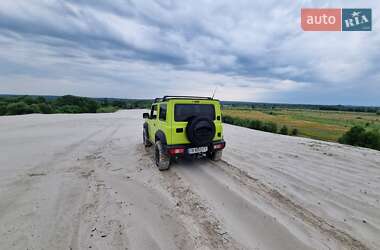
pixel 146 115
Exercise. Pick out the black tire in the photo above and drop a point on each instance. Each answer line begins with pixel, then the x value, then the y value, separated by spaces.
pixel 146 141
pixel 161 159
pixel 200 131
pixel 216 155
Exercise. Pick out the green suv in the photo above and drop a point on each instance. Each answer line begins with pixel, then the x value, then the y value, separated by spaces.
pixel 184 126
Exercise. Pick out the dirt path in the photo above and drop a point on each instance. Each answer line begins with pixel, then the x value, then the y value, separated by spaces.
pixel 86 182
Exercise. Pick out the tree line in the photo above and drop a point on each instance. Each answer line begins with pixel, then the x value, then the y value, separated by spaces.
pixel 346 108
pixel 359 136
pixel 19 105
pixel 259 125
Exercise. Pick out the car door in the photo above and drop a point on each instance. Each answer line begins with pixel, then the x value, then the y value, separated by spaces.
pixel 152 123
pixel 163 123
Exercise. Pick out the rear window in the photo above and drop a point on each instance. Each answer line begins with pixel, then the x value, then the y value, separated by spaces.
pixel 183 112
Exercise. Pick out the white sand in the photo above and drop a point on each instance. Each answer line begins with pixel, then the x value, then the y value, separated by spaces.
pixel 81 181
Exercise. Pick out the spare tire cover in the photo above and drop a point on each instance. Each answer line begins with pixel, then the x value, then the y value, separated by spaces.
pixel 200 130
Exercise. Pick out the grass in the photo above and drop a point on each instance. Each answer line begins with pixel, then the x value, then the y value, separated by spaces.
pixel 316 124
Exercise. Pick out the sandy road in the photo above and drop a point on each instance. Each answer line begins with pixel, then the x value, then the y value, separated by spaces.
pixel 86 182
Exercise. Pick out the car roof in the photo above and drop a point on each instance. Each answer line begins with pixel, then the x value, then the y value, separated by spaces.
pixel 168 98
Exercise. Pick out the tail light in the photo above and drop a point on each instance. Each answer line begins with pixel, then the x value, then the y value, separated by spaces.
pixel 174 151
pixel 219 146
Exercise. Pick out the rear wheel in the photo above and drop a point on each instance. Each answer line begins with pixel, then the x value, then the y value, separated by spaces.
pixel 161 159
pixel 216 156
pixel 146 141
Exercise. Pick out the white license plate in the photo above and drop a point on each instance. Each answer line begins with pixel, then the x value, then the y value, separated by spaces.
pixel 197 150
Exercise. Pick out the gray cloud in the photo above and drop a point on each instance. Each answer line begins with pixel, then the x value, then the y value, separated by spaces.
pixel 126 48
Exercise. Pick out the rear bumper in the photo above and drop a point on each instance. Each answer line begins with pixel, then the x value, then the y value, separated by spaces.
pixel 212 147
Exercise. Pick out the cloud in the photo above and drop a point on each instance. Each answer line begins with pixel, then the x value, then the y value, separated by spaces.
pixel 253 50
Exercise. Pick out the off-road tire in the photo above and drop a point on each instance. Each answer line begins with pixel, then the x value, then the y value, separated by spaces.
pixel 146 141
pixel 200 130
pixel 161 159
pixel 216 156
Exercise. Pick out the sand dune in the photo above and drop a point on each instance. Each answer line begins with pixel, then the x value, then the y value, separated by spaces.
pixel 86 182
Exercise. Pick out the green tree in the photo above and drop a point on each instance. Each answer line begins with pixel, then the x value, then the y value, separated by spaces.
pixel 45 108
pixel 28 100
pixel 85 105
pixel 122 104
pixel 284 130
pixel 105 102
pixel 255 124
pixel 371 139
pixel 19 108
pixel 355 136
pixel 40 99
pixel 227 119
pixel 270 127
pixel 71 109
pixel 358 136
pixel 35 108
pixel 3 109
pixel 295 132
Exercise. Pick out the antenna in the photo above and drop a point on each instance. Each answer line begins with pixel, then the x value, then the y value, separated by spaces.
pixel 213 94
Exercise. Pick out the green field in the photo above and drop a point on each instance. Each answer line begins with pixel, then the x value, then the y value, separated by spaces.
pixel 316 124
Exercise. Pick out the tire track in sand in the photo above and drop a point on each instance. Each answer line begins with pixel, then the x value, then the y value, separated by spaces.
pixel 23 184
pixel 87 221
pixel 282 201
pixel 195 213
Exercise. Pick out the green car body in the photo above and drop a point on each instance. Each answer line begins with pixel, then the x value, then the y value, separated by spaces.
pixel 181 123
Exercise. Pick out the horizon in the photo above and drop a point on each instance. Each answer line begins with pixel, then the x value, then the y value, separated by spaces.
pixel 250 51
pixel 236 101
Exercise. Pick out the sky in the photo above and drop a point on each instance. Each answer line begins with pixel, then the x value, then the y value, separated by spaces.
pixel 246 50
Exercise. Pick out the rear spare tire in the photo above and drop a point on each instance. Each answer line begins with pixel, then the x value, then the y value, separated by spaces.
pixel 200 131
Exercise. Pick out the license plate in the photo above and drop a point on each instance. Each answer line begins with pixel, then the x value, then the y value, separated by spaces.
pixel 197 150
